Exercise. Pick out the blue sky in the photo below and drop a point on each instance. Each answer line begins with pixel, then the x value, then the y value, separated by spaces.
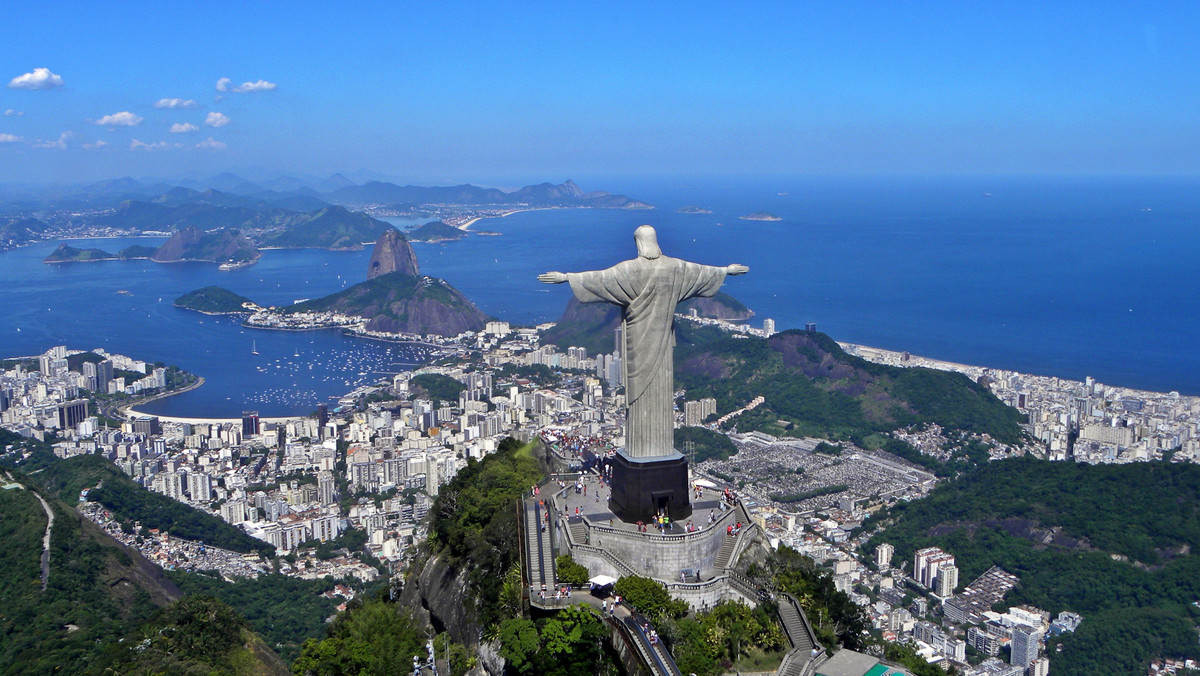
pixel 503 94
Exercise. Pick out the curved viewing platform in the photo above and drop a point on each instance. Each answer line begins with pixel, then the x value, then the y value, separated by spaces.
pixel 696 565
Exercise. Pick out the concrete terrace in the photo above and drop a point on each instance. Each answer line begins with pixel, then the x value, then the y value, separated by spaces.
pixel 697 566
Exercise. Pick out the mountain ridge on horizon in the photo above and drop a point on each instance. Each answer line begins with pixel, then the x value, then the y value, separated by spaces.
pixel 334 189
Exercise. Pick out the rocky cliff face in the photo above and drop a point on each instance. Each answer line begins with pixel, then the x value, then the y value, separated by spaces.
pixel 392 254
pixel 436 592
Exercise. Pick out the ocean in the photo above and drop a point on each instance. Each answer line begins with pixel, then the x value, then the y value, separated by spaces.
pixel 1067 277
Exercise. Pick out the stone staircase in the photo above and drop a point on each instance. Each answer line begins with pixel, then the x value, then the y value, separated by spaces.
pixel 578 532
pixel 727 549
pixel 540 551
pixel 799 634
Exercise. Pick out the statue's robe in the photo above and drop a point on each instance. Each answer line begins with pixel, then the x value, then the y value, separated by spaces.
pixel 648 291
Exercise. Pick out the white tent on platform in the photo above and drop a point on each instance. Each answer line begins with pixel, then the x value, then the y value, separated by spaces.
pixel 602 581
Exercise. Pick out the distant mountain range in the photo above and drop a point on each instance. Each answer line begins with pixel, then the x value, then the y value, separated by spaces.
pixel 300 194
pixel 291 213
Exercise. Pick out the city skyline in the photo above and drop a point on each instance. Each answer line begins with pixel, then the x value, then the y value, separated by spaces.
pixel 504 96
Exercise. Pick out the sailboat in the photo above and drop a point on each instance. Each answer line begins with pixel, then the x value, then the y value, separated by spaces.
pixel 253 347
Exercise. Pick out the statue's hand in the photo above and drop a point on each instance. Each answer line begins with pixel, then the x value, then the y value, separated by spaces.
pixel 736 269
pixel 552 277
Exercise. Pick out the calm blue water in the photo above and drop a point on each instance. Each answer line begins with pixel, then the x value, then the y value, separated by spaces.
pixel 1068 278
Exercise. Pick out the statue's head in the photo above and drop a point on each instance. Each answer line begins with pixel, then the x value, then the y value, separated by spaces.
pixel 647 242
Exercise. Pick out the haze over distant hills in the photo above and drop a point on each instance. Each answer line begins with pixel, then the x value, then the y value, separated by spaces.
pixel 298 194
pixel 285 213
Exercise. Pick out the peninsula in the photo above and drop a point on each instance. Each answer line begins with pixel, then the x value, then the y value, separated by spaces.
pixel 435 232
pixel 215 300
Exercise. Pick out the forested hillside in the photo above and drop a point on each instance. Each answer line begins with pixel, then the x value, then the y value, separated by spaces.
pixel 1115 543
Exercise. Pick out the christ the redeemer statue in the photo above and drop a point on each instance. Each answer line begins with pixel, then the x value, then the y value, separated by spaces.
pixel 647 289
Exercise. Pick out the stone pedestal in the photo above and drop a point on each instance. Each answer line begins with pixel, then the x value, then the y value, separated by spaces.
pixel 643 486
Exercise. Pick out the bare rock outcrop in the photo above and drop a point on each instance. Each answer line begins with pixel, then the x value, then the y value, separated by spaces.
pixel 392 253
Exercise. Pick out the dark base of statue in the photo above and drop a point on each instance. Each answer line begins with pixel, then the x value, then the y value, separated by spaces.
pixel 643 488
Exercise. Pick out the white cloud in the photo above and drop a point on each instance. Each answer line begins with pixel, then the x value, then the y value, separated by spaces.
pixel 161 145
pixel 61 143
pixel 93 146
pixel 216 119
pixel 210 144
pixel 183 128
pixel 13 113
pixel 223 84
pixel 260 86
pixel 9 138
pixel 176 104
pixel 40 78
pixel 121 119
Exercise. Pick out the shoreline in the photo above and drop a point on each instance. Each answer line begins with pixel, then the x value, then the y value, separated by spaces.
pixel 130 412
pixel 466 227
pixel 922 361
pixel 125 411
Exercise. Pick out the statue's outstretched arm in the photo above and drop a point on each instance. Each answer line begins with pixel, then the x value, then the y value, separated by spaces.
pixel 552 277
pixel 736 269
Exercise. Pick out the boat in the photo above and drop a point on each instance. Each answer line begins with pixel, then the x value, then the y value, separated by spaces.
pixel 254 347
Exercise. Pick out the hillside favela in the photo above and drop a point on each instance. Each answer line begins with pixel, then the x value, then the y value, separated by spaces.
pixel 659 341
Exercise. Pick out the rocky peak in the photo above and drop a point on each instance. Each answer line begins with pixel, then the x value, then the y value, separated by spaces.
pixel 392 253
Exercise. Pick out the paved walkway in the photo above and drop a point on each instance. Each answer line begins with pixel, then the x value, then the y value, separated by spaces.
pixel 46 542
pixel 46 537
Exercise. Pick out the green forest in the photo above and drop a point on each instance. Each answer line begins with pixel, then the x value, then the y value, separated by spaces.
pixel 705 443
pixel 285 611
pixel 212 299
pixel 812 387
pixel 441 389
pixel 1105 541
pixel 96 591
pixel 473 521
pixel 197 635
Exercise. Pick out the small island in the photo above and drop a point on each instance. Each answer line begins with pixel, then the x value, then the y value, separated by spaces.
pixel 760 216
pixel 434 232
pixel 215 300
pixel 693 210
pixel 65 253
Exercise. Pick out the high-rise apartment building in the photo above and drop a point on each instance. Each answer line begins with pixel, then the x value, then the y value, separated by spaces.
pixel 1024 645
pixel 883 556
pixel 947 580
pixel 249 423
